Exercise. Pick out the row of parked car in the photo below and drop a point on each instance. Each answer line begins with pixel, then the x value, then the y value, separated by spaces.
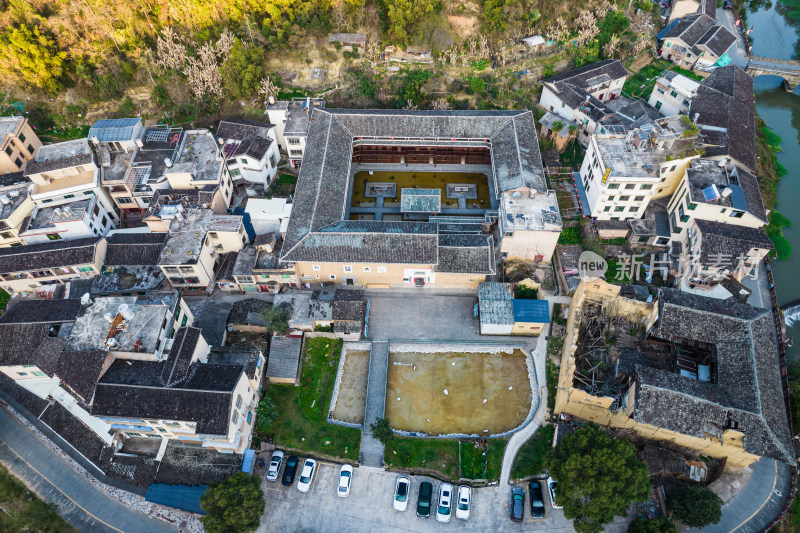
pixel 307 473
pixel 536 496
pixel 444 509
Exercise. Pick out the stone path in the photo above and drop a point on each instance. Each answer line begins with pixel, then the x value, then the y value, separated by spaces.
pixel 371 448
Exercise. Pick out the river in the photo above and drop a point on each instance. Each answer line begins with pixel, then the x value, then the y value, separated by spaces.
pixel 774 36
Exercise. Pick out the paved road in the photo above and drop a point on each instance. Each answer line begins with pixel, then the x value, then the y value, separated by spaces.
pixel 80 503
pixel 737 53
pixel 758 503
pixel 371 448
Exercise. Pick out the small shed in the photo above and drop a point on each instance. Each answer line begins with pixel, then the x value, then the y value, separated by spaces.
pixel 283 365
pixel 530 316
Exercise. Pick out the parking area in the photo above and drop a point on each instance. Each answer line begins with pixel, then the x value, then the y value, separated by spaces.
pixel 369 507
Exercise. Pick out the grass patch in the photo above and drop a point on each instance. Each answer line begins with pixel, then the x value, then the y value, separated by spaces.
pixel 570 235
pixel 494 458
pixel 283 186
pixel 572 156
pixel 530 457
pixel 617 272
pixel 617 241
pixel 772 139
pixel 437 455
pixel 24 511
pixel 303 411
pixel 4 297
pixel 783 248
pixel 473 460
pixel 552 372
pixel 642 83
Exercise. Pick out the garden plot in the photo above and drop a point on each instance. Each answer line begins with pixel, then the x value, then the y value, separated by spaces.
pixel 349 395
pixel 458 390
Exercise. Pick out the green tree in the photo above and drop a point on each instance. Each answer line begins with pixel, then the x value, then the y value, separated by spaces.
pixel 276 318
pixel 695 506
pixel 382 431
pixel 494 15
pixel 598 477
pixel 616 22
pixel 404 14
pixel 411 88
pixel 266 412
pixel 161 97
pixel 234 505
pixel 243 70
pixel 657 525
pixel 32 57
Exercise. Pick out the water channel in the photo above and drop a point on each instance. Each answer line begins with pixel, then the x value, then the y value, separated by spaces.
pixel 775 35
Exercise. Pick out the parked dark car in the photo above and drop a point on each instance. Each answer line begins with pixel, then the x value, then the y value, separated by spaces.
pixel 536 495
pixel 290 470
pixel 517 504
pixel 424 500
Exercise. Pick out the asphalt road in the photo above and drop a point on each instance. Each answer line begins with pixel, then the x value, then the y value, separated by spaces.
pixel 80 503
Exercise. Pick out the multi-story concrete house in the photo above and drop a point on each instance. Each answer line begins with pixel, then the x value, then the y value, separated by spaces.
pixel 18 144
pixel 696 41
pixel 251 152
pixel 291 119
pixel 15 206
pixel 65 175
pixel 196 240
pixel 672 94
pixel 41 267
pixel 622 172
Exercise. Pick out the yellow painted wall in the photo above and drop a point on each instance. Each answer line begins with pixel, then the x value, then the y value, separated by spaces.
pixel 527 245
pixel 393 275
pixel 14 221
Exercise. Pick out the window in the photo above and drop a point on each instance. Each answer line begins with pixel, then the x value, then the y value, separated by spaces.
pixel 185 320
pixel 673 94
pixel 624 198
pixel 633 208
pixel 236 172
pixel 658 103
pixel 630 186
pixel 660 91
pixel 30 149
pixel 645 186
pixel 366 269
pixel 315 267
pixel 638 198
pixel 9 150
pixel 606 209
pixel 22 373
pixel 239 401
pixel 235 417
pixel 619 209
pixel 273 160
pixel 68 196
pixel 88 193
pixel 381 270
pixel 348 268
pixel 124 201
pixel 249 416
pixel 6 235
pixel 18 162
pixel 86 269
pixel 22 137
pixel 96 210
pixel 296 153
pixel 286 276
pixel 39 373
pixel 672 169
pixel 332 276
pixel 161 430
pixel 54 236
pixel 737 214
pixel 692 206
pixel 293 141
pixel 171 270
pixel 145 200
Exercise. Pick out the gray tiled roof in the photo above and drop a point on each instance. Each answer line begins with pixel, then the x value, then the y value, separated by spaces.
pixel 747 392
pixel 241 128
pixel 725 244
pixel 466 254
pixel 284 357
pixel 47 255
pixel 40 311
pixel 317 231
pixel 724 102
pixel 35 167
pixel 128 249
pixel 496 303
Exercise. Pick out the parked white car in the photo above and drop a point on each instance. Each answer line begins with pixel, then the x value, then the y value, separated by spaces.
pixel 307 475
pixel 275 464
pixel 345 477
pixel 551 486
pixel 445 509
pixel 463 502
pixel 402 488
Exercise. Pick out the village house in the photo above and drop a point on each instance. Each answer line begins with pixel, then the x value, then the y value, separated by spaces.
pixel 696 41
pixel 696 374
pixel 18 143
pixel 42 267
pixel 257 267
pixel 343 310
pixel 723 109
pixel 291 119
pixel 673 94
pixel 130 264
pixel 683 8
pixel 67 191
pixel 503 314
pixel 622 172
pixel 251 152
pixel 327 246
pixel 580 95
pixel 16 206
pixel 196 238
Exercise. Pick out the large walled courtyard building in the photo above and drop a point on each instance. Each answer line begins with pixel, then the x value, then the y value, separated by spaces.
pixel 418 198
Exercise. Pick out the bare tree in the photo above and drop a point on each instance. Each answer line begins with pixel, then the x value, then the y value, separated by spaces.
pixel 170 50
pixel 224 45
pixel 267 88
pixel 203 72
pixel 410 105
pixel 611 49
pixel 441 104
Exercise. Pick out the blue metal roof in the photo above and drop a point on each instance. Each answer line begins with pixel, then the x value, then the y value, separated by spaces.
pixel 249 460
pixel 711 193
pixel 737 197
pixel 114 129
pixel 667 29
pixel 537 311
pixel 185 497
pixel 582 195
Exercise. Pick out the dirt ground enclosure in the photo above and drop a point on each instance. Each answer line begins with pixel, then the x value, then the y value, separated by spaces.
pixel 351 399
pixel 419 381
pixel 423 180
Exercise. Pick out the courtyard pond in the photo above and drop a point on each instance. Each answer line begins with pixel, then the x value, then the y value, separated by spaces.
pixel 458 393
pixel 367 185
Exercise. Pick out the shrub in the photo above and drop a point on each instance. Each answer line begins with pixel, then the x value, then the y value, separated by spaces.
pixel 233 505
pixel 382 431
pixel 695 506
